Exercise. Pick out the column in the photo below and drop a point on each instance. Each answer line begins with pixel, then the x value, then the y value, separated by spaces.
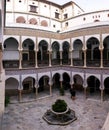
pixel 50 89
pixel 36 85
pixel 71 48
pixel 36 61
pixel 60 57
pixel 102 95
pixel 36 50
pixel 36 91
pixel 20 88
pixel 101 47
pixel 85 86
pixel 50 58
pixel 102 88
pixel 20 59
pixel 101 60
pixel 71 58
pixel 20 95
pixel 50 83
pixel 20 53
pixel 84 50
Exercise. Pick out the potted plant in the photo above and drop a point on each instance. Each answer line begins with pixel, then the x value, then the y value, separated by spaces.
pixel 62 92
pixel 59 106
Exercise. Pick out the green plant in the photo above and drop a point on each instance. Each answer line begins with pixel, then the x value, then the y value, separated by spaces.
pixel 59 106
pixel 7 101
pixel 62 91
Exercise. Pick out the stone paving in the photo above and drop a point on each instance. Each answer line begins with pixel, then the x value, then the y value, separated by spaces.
pixel 91 114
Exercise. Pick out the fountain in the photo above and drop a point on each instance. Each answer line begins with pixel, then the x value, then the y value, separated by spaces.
pixel 59 114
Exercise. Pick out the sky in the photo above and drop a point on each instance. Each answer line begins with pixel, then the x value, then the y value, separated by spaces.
pixel 87 5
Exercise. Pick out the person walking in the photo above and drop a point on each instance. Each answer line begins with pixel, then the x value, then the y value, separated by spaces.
pixel 73 93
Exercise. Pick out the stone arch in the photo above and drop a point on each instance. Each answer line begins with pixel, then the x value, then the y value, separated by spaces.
pixel 44 84
pixel 11 53
pixel 78 54
pixel 43 56
pixel 65 52
pixel 11 86
pixel 20 19
pixel 93 84
pixel 106 52
pixel 106 85
pixel 93 53
pixel 28 53
pixel 44 23
pixel 11 42
pixel 55 53
pixel 56 81
pixel 28 44
pixel 66 81
pixel 28 84
pixel 78 82
pixel 33 21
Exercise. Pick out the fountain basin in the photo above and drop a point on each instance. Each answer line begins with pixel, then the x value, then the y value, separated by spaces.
pixel 59 118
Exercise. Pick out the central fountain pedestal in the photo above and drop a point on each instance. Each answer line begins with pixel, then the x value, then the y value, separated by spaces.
pixel 59 118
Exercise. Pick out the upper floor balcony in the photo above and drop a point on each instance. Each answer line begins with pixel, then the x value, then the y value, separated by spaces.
pixel 26 20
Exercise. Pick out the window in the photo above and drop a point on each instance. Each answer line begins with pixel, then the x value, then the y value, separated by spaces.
pixel 65 16
pixel 84 18
pixel 33 21
pixel 44 23
pixel 20 19
pixel 56 15
pixel 66 24
pixel 54 26
pixel 33 8
pixel 45 6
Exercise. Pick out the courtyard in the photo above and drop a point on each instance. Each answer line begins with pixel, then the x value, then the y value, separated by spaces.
pixel 91 114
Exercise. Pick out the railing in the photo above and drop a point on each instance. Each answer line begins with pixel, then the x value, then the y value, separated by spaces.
pixel 66 61
pixel 93 63
pixel 11 64
pixel 78 62
pixel 27 64
pixel 106 63
pixel 43 62
pixel 55 62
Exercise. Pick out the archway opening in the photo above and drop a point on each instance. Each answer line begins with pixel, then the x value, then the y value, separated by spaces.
pixel 106 52
pixel 43 55
pixel 78 83
pixel 11 87
pixel 78 55
pixel 66 81
pixel 44 87
pixel 65 53
pixel 93 85
pixel 28 53
pixel 28 86
pixel 55 53
pixel 93 53
pixel 56 82
pixel 11 53
pixel 106 85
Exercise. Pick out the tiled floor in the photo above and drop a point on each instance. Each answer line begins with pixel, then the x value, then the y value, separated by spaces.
pixel 91 114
